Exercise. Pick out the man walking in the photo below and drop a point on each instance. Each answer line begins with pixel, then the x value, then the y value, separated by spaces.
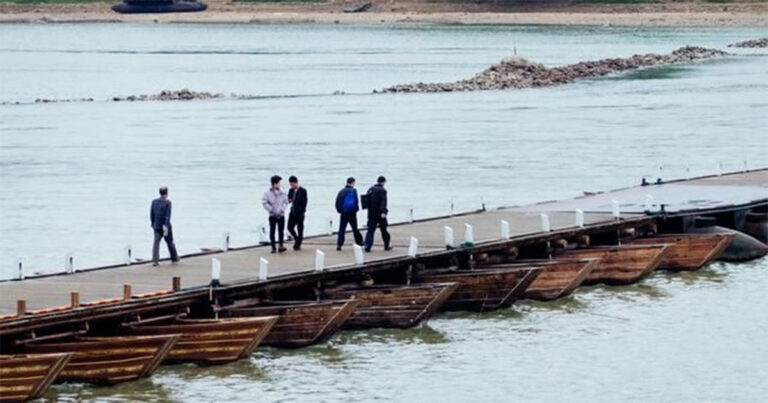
pixel 275 201
pixel 347 207
pixel 298 198
pixel 160 218
pixel 377 214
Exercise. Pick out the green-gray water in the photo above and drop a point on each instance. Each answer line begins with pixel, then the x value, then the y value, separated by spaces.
pixel 77 177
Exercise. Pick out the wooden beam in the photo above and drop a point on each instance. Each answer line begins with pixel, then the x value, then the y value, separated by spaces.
pixel 21 307
pixel 127 292
pixel 176 284
pixel 74 299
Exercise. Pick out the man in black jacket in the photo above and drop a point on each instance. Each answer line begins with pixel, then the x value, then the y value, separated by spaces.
pixel 347 207
pixel 160 218
pixel 297 196
pixel 377 214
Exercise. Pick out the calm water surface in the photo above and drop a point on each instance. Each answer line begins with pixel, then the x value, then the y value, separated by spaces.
pixel 78 177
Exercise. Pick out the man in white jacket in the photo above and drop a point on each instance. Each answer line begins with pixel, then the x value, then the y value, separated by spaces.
pixel 275 201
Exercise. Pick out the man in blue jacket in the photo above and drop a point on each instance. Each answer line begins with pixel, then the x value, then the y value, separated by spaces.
pixel 347 207
pixel 160 217
pixel 377 214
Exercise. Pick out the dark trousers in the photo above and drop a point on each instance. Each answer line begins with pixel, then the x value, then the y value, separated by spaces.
pixel 351 219
pixel 168 241
pixel 279 224
pixel 296 228
pixel 382 223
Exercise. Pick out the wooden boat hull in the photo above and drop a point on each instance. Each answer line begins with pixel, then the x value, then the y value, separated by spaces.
pixel 211 341
pixel 301 324
pixel 109 360
pixel 482 290
pixel 620 264
pixel 558 278
pixel 689 251
pixel 27 376
pixel 394 306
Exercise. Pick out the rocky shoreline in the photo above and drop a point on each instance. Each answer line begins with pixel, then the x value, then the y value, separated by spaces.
pixel 752 43
pixel 517 72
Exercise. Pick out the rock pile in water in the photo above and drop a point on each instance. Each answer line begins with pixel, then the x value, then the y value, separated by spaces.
pixel 752 43
pixel 170 95
pixel 517 72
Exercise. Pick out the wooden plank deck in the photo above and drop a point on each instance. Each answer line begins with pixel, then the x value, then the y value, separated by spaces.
pixel 698 194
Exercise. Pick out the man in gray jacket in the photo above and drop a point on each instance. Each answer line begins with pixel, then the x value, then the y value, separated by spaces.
pixel 275 201
pixel 160 218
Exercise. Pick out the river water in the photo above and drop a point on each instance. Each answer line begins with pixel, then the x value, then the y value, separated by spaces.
pixel 77 178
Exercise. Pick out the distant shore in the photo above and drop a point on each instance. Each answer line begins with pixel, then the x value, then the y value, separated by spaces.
pixel 399 12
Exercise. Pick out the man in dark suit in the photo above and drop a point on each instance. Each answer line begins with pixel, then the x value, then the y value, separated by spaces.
pixel 297 196
pixel 160 217
pixel 377 214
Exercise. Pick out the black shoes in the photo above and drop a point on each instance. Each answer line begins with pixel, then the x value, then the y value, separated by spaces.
pixel 387 248
pixel 282 249
pixel 338 248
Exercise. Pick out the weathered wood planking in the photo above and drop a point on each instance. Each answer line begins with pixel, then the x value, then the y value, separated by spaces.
pixel 481 290
pixel 27 376
pixel 393 306
pixel 108 360
pixel 300 324
pixel 620 264
pixel 688 251
pixel 211 341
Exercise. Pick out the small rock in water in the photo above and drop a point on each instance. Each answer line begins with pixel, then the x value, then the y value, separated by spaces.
pixel 752 43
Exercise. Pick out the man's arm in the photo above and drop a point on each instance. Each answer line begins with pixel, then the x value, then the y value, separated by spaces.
pixel 305 200
pixel 152 213
pixel 383 205
pixel 265 202
pixel 339 201
pixel 168 216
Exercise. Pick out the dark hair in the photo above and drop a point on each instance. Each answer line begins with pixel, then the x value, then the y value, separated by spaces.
pixel 275 179
pixel 293 179
pixel 350 180
pixel 381 179
pixel 163 191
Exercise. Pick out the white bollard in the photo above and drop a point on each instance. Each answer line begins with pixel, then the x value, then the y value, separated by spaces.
pixel 448 236
pixel 482 202
pixel 505 229
pixel 745 166
pixel 127 255
pixel 615 209
pixel 413 247
pixel 225 241
pixel 330 226
pixel 69 263
pixel 263 238
pixel 319 260
pixel 687 172
pixel 215 271
pixel 410 217
pixel 20 265
pixel 648 202
pixel 469 234
pixel 263 268
pixel 580 218
pixel 451 211
pixel 358 252
pixel 720 168
pixel 545 226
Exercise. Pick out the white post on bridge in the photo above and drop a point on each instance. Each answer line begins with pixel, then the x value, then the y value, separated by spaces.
pixel 410 216
pixel 745 166
pixel 225 241
pixel 448 236
pixel 69 263
pixel 263 238
pixel 469 234
pixel 127 255
pixel 358 252
pixel 215 272
pixel 505 229
pixel 580 218
pixel 648 203
pixel 451 210
pixel 330 226
pixel 20 266
pixel 263 268
pixel 413 247
pixel 720 168
pixel 615 209
pixel 545 226
pixel 687 172
pixel 319 260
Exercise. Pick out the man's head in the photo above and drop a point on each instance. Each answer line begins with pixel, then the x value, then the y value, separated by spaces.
pixel 163 191
pixel 275 181
pixel 351 181
pixel 381 180
pixel 293 181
